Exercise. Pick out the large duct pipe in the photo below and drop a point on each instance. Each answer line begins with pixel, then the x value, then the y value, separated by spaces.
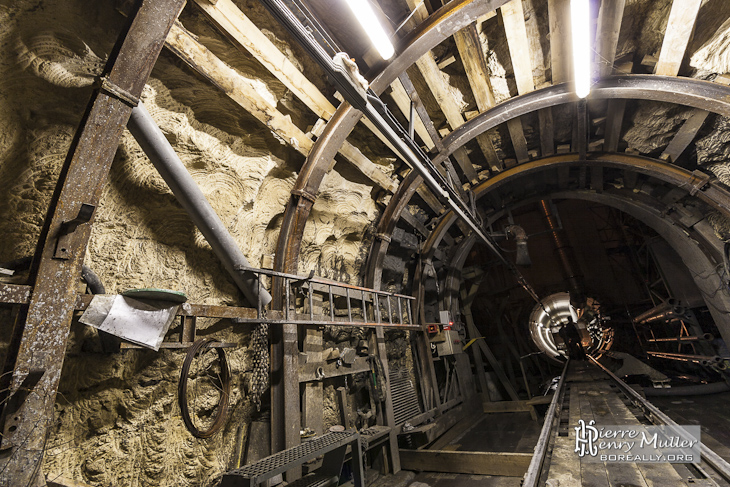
pixel 188 194
pixel 567 257
pixel 518 233
pixel 664 312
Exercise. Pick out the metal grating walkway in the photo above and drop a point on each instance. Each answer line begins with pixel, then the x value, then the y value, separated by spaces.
pixel 266 468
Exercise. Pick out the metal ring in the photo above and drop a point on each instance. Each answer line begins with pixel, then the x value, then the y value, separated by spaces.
pixel 182 390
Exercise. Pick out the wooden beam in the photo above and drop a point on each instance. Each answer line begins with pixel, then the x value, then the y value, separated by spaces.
pixel 519 49
pixel 519 45
pixel 313 398
pixel 234 24
pixel 679 29
pixel 560 40
pixel 475 65
pixel 496 366
pixel 403 102
pixel 440 89
pixel 412 94
pixel 614 121
pixel 547 132
pixel 685 135
pixel 519 142
pixel 466 462
pixel 242 91
pixel 610 16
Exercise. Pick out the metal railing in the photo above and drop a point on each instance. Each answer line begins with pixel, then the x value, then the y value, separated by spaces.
pixel 373 308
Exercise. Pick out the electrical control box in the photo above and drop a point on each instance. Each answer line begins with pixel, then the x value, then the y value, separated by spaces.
pixel 451 344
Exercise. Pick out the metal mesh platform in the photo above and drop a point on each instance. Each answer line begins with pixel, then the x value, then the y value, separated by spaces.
pixel 266 468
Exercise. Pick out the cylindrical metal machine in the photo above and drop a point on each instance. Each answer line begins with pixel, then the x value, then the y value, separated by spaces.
pixel 555 312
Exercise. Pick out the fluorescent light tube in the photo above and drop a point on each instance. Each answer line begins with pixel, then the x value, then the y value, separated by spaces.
pixel 365 15
pixel 580 26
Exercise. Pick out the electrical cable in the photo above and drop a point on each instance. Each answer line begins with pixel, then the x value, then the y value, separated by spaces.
pixel 182 390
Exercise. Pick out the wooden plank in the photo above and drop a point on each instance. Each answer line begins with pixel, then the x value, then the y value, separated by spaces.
pixel 591 473
pixel 403 102
pixel 654 474
pixel 560 40
pixel 610 16
pixel 313 400
pixel 242 91
pixel 496 366
pixel 466 300
pixel 414 222
pixel 466 462
pixel 475 65
pixel 547 132
pixel 457 431
pixel 234 24
pixel 519 46
pixel 679 29
pixel 685 135
pixel 508 407
pixel 614 120
pixel 519 142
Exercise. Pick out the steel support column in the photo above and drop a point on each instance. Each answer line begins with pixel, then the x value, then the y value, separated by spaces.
pixel 37 348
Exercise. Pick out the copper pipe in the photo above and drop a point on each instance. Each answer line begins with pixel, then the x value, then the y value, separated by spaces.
pixel 565 253
pixel 706 337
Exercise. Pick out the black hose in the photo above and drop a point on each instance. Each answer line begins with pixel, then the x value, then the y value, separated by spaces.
pixel 109 342
pixel 90 277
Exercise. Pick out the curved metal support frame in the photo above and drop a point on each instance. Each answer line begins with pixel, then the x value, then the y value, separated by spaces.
pixel 695 93
pixel 441 25
pixel 707 191
pixel 650 211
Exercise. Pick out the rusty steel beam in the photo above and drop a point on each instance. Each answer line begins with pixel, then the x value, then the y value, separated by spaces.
pixel 35 357
pixel 438 27
pixel 704 95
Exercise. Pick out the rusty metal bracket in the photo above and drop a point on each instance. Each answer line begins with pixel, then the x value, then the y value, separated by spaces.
pixel 64 244
pixel 105 85
pixel 10 417
pixel 384 236
pixel 302 193
pixel 698 182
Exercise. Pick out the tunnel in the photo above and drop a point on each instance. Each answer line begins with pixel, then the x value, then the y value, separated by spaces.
pixel 364 242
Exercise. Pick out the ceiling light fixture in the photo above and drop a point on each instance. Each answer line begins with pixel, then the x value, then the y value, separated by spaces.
pixel 580 25
pixel 366 16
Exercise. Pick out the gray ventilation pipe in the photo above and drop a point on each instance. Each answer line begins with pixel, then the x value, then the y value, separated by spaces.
pixel 191 198
pixel 520 236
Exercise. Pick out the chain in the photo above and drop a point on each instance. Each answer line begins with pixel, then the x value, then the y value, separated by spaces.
pixel 260 347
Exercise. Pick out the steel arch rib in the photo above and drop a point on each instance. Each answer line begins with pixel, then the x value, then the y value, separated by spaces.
pixel 695 93
pixel 711 193
pixel 442 24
